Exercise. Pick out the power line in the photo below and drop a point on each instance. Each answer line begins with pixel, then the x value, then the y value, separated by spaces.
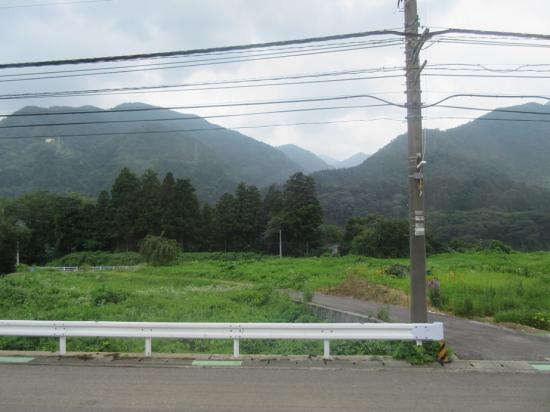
pixel 205 129
pixel 170 89
pixel 142 56
pixel 208 63
pixel 307 109
pixel 490 33
pixel 282 50
pixel 204 106
pixel 486 96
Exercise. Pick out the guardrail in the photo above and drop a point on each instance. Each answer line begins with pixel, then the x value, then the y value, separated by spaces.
pixel 86 268
pixel 236 331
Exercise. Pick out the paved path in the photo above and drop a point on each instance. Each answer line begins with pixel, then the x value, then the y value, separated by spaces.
pixel 468 338
pixel 83 388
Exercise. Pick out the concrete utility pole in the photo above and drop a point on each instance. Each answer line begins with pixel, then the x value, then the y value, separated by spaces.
pixel 417 240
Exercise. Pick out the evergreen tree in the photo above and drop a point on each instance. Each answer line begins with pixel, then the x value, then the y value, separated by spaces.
pixel 249 222
pixel 301 214
pixel 225 222
pixel 206 228
pixel 104 222
pixel 149 212
pixel 186 215
pixel 124 195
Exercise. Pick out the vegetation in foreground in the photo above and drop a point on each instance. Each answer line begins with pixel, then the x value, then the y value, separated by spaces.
pixel 165 294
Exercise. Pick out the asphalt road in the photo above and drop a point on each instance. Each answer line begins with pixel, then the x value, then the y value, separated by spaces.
pixel 469 339
pixel 83 388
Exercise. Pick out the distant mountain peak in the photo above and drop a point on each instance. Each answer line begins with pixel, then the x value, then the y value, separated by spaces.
pixel 308 161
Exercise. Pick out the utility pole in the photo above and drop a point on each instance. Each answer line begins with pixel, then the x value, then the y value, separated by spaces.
pixel 417 240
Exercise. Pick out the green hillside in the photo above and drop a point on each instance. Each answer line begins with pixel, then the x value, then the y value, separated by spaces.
pixel 308 161
pixel 214 160
pixel 486 165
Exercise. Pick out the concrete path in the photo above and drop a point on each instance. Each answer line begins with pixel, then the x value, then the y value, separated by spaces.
pixel 469 339
pixel 49 388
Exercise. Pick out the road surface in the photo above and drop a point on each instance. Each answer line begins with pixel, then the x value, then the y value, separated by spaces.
pixel 469 339
pixel 49 388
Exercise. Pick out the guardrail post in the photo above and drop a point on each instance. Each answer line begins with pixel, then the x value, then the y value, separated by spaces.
pixel 326 349
pixel 62 345
pixel 148 347
pixel 236 352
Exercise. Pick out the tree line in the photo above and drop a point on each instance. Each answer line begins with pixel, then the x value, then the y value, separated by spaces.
pixel 47 226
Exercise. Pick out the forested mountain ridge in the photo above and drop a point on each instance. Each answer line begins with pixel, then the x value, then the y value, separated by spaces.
pixel 89 160
pixel 309 161
pixel 484 164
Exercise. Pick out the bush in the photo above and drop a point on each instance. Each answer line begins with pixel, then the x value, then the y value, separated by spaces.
pixel 103 296
pixel 98 258
pixel 397 270
pixel 539 320
pixel 416 355
pixel 159 251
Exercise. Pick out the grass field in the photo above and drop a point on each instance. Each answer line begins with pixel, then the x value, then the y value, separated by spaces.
pixel 242 287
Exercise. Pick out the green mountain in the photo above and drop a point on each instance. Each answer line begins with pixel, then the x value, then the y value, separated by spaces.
pixel 87 155
pixel 484 164
pixel 308 161
pixel 352 161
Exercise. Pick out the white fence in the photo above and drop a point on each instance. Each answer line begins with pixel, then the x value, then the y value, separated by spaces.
pixel 84 268
pixel 236 331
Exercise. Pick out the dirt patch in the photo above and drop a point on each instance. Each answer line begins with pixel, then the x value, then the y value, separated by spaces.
pixel 359 288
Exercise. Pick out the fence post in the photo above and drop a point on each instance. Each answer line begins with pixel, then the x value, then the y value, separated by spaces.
pixel 236 352
pixel 326 349
pixel 148 347
pixel 62 345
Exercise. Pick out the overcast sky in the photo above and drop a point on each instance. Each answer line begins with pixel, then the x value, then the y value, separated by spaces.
pixel 84 29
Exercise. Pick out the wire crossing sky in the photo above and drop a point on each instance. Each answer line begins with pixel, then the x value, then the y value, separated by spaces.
pixel 203 57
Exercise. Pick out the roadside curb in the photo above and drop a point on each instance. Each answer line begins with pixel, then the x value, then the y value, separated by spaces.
pixel 95 359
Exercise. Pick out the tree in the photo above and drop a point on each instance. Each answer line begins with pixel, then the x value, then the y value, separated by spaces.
pixel 104 222
pixel 159 251
pixel 185 215
pixel 301 214
pixel 225 222
pixel 149 212
pixel 124 194
pixel 383 238
pixel 249 224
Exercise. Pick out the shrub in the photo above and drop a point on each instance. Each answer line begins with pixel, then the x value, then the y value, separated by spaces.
pixel 416 355
pixel 98 258
pixel 397 270
pixel 159 251
pixel 103 296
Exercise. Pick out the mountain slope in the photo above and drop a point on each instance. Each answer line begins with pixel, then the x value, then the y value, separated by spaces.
pixel 501 165
pixel 308 161
pixel 352 161
pixel 90 157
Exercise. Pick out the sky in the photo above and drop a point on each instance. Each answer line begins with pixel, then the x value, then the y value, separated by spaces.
pixel 34 30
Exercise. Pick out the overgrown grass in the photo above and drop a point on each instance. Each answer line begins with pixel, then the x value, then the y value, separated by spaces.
pixel 242 288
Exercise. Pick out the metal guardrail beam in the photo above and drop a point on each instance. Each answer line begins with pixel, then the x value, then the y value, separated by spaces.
pixel 235 331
